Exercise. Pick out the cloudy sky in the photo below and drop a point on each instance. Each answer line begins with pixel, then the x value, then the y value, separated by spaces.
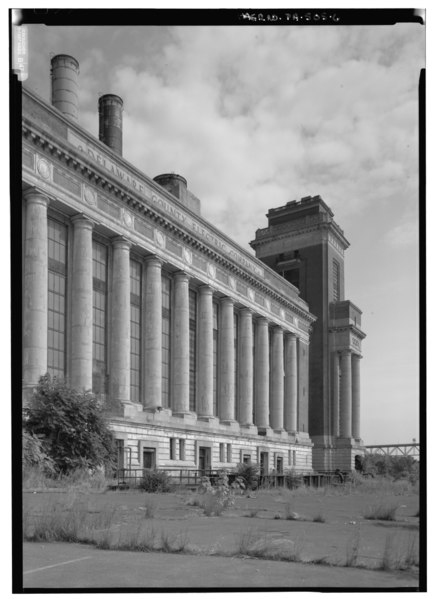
pixel 255 117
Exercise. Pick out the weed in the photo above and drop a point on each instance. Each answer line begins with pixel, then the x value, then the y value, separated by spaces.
pixel 319 518
pixel 352 550
pixel 277 516
pixel 155 481
pixel 290 514
pixel 381 511
pixel 399 555
pixel 252 513
pixel 150 507
pixel 251 544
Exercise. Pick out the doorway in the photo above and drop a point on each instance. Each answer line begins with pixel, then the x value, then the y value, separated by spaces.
pixel 149 458
pixel 204 459
pixel 264 463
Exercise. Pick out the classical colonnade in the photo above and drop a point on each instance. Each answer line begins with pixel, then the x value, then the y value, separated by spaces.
pixel 346 391
pixel 267 377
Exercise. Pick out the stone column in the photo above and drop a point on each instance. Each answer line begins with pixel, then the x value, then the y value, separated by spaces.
pixel 205 380
pixel 290 383
pixel 262 373
pixel 153 333
pixel 35 288
pixel 277 387
pixel 120 322
pixel 181 345
pixel 82 304
pixel 246 367
pixel 227 361
pixel 335 394
pixel 356 396
pixel 346 395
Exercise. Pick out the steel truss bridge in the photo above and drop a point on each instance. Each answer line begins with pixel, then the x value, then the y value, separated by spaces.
pixel 402 449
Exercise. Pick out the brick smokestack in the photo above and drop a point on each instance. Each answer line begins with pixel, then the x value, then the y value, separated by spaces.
pixel 65 89
pixel 111 122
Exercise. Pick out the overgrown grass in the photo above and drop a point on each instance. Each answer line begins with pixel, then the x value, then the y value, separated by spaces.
pixel 319 518
pixel 250 543
pixel 35 478
pixel 67 519
pixel 150 506
pixel 381 511
pixel 398 554
pixel 352 550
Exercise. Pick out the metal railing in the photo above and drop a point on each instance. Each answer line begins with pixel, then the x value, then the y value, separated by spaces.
pixel 131 478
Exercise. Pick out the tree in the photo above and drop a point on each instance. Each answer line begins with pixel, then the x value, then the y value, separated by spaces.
pixel 70 425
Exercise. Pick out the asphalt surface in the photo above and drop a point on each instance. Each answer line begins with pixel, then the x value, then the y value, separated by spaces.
pixel 75 566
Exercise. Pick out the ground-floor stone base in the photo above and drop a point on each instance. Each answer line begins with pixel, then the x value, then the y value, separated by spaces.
pixel 330 454
pixel 167 441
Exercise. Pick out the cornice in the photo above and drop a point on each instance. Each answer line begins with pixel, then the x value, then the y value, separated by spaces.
pixel 355 330
pixel 77 161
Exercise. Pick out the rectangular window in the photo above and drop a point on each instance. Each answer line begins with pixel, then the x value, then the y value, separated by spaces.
pixel 57 280
pixel 135 331
pixel 166 328
pixel 229 452
pixel 222 452
pixel 173 448
pixel 193 347
pixel 335 280
pixel 100 291
pixel 182 449
pixel 214 356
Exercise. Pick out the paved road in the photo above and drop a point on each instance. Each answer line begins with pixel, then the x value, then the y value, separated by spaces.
pixel 74 566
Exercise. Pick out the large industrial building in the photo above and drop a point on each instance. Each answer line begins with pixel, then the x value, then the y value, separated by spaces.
pixel 203 355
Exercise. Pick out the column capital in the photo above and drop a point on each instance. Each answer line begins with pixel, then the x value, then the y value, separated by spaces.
pixel 205 290
pixel 346 352
pixel 35 196
pixel 182 276
pixel 83 221
pixel 227 300
pixel 121 243
pixel 246 311
pixel 277 329
pixel 153 260
pixel 261 320
pixel 290 335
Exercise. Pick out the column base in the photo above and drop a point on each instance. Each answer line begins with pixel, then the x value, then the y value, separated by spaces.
pixel 129 409
pixel 280 432
pixel 233 424
pixel 265 431
pixel 190 417
pixel 249 428
pixel 208 419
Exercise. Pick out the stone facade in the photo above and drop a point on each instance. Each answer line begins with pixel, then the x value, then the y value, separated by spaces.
pixel 306 246
pixel 198 350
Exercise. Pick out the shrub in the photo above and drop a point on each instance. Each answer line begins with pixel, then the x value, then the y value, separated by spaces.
pixel 293 479
pixel 249 473
pixel 381 511
pixel 220 497
pixel 155 481
pixel 34 455
pixel 70 426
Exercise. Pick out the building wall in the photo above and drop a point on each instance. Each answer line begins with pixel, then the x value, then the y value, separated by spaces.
pixel 110 213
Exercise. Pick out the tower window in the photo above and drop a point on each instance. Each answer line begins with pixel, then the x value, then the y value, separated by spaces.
pixel 335 280
pixel 292 276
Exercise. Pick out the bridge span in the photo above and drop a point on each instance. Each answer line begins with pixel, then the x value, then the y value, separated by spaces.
pixel 401 449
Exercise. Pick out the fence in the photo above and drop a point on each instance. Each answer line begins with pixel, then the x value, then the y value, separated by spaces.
pixel 124 478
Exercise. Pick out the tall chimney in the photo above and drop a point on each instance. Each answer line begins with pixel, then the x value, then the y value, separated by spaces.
pixel 64 73
pixel 111 122
pixel 175 184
